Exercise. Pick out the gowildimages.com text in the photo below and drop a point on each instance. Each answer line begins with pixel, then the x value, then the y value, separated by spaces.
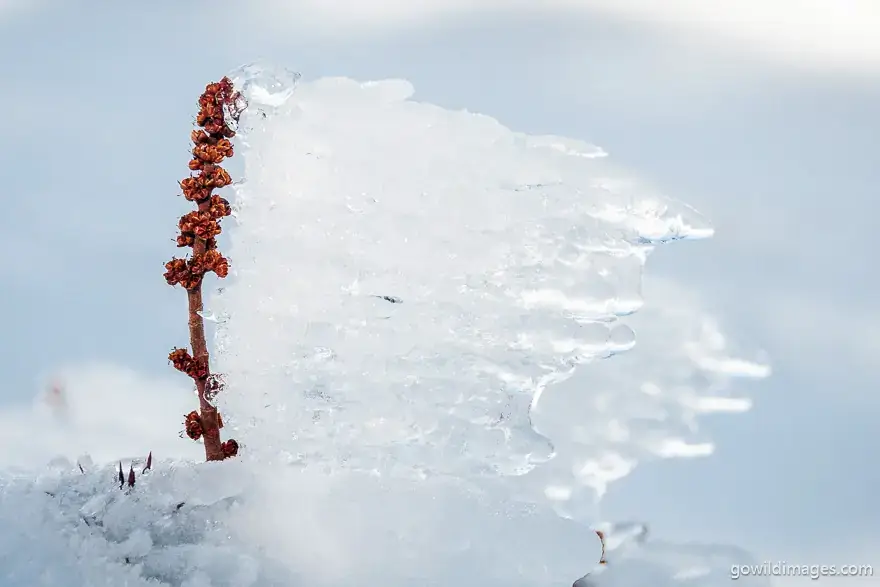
pixel 814 572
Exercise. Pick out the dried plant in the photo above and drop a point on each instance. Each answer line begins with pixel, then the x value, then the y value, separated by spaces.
pixel 219 109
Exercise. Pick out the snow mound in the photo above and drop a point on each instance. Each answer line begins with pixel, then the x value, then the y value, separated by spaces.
pixel 235 525
pixel 73 528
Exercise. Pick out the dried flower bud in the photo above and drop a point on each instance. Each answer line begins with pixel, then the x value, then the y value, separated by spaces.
pixel 189 273
pixel 199 224
pixel 214 261
pixel 179 271
pixel 197 188
pixel 219 207
pixel 176 271
pixel 214 176
pixel 181 359
pixel 219 102
pixel 207 117
pixel 193 191
pixel 200 136
pixel 219 128
pixel 210 153
pixel 193 425
pixel 230 448
pixel 186 240
pixel 196 368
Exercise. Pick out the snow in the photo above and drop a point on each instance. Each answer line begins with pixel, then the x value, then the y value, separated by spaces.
pixel 427 341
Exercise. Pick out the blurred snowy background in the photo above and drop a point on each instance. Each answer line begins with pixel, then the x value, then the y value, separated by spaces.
pixel 763 115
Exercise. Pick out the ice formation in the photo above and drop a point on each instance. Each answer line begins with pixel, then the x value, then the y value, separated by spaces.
pixel 415 293
pixel 408 281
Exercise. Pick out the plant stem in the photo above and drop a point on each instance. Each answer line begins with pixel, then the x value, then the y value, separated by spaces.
pixel 199 346
pixel 199 229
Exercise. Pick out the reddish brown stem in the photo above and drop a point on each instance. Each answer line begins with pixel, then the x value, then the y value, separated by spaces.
pixel 199 345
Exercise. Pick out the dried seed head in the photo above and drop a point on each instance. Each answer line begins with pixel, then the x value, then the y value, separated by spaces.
pixel 186 240
pixel 185 363
pixel 219 207
pixel 214 152
pixel 214 261
pixel 197 188
pixel 189 273
pixel 193 425
pixel 199 225
pixel 181 359
pixel 198 369
pixel 230 448
pixel 220 106
pixel 214 176
pixel 175 271
pixel 200 136
pixel 193 191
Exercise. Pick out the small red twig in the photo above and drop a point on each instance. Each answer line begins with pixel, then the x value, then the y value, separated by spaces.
pixel 601 535
pixel 219 106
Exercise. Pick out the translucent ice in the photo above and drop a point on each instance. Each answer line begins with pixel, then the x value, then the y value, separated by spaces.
pixel 263 85
pixel 408 280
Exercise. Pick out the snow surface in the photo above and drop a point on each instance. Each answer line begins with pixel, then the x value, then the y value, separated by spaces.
pixel 416 294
